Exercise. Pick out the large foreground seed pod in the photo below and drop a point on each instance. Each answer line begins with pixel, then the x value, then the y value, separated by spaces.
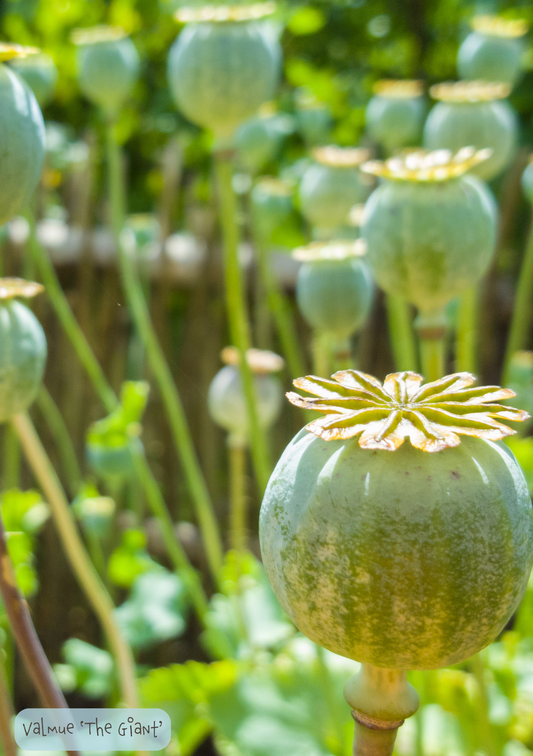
pixel 476 114
pixel 21 137
pixel 108 66
pixel 494 50
pixel 387 554
pixel 334 289
pixel 40 74
pixel 331 186
pixel 223 65
pixel 430 228
pixel 22 348
pixel 395 115
pixel 226 401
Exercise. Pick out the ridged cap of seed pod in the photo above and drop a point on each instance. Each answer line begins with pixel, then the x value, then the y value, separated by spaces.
pixel 339 249
pixel 224 13
pixel 432 416
pixel 470 91
pixel 424 166
pixel 8 51
pixel 261 361
pixel 18 288
pixel 95 34
pixel 399 89
pixel 340 157
pixel 496 26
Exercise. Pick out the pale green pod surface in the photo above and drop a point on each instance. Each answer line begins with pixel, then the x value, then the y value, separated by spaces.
pixel 428 241
pixel 404 559
pixel 108 71
pixel 271 209
pixel 395 122
pixel 227 404
pixel 40 74
pixel 328 193
pixel 454 125
pixel 315 125
pixel 22 358
pixel 113 462
pixel 22 143
pixel 527 182
pixel 220 73
pixel 490 58
pixel 335 296
pixel 259 140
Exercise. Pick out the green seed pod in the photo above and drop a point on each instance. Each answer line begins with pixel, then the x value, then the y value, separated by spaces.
pixel 272 207
pixel 314 120
pixel 22 348
pixel 334 289
pixel 527 181
pixel 430 229
pixel 493 51
pixel 226 401
pixel 474 114
pixel 108 66
pixel 40 74
pixel 22 138
pixel 112 462
pixel 387 554
pixel 258 141
pixel 223 66
pixel 395 115
pixel 331 186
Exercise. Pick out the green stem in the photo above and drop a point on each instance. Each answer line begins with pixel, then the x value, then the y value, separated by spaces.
pixel 401 333
pixel 110 401
pixel 238 502
pixel 176 415
pixel 342 354
pixel 521 320
pixel 486 733
pixel 237 312
pixel 9 746
pixel 77 556
pixel 328 688
pixel 59 431
pixel 432 355
pixel 11 459
pixel 466 358
pixel 321 355
pixel 279 307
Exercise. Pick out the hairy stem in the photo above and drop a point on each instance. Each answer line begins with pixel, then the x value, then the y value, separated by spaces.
pixel 59 431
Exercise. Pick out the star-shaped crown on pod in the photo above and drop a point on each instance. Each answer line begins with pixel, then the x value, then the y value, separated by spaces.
pixel 431 416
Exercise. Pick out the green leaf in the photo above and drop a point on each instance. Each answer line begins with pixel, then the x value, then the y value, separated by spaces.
pixel 306 20
pixel 155 610
pixel 130 559
pixel 89 667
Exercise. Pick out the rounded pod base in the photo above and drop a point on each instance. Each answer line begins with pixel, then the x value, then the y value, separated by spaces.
pixel 405 559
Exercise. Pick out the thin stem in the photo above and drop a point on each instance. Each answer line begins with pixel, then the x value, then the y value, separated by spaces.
pixel 11 459
pixel 80 562
pixel 9 746
pixel 237 312
pixel 59 431
pixel 401 333
pixel 26 638
pixel 342 354
pixel 238 501
pixel 279 307
pixel 432 354
pixel 176 415
pixel 321 355
pixel 110 402
pixel 485 732
pixel 521 320
pixel 466 358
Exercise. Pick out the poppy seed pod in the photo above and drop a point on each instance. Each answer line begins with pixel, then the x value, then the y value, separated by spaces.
pixel 395 530
pixel 334 289
pixel 430 229
pixel 21 136
pixel 223 65
pixel 40 74
pixel 108 66
pixel 493 51
pixel 331 186
pixel 259 140
pixel 314 120
pixel 226 401
pixel 395 115
pixel 22 348
pixel 474 113
pixel 272 207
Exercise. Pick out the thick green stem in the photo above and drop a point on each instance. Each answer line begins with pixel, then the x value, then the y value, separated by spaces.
pixel 238 501
pixel 59 431
pixel 9 746
pixel 169 393
pixel 321 355
pixel 466 357
pixel 341 350
pixel 401 333
pixel 431 327
pixel 110 401
pixel 77 556
pixel 521 320
pixel 239 326
pixel 26 638
pixel 381 699
pixel 11 468
pixel 279 307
